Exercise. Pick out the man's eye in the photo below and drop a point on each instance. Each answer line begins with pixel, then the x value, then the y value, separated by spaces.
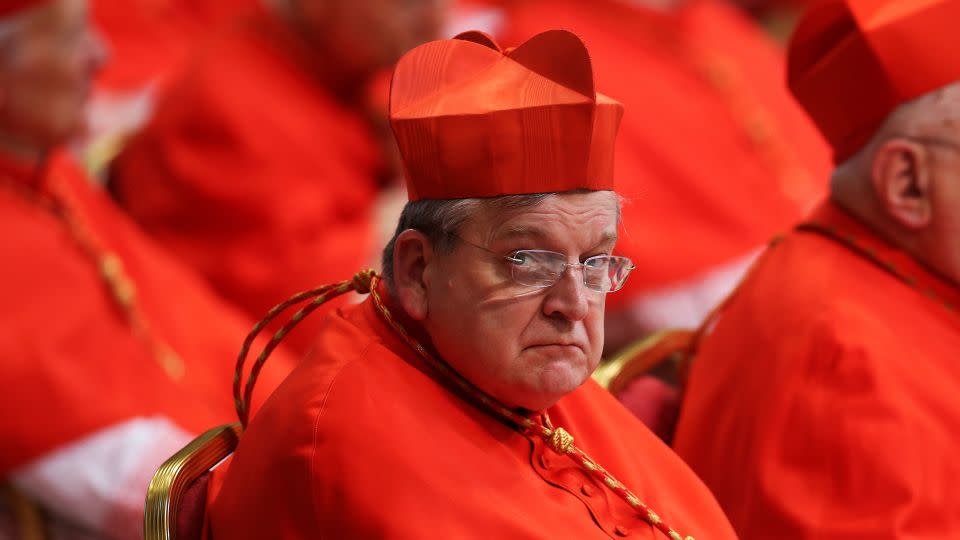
pixel 597 261
pixel 520 258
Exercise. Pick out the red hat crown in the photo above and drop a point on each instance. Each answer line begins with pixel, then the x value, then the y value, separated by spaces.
pixel 474 121
pixel 852 62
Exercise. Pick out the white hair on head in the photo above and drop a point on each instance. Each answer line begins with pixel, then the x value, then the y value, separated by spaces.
pixel 930 108
pixel 906 119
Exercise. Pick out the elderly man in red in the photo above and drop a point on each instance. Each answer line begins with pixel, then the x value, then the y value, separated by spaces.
pixel 112 354
pixel 456 401
pixel 823 403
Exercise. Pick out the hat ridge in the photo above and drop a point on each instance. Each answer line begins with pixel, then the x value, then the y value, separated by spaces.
pixel 480 38
pixel 561 56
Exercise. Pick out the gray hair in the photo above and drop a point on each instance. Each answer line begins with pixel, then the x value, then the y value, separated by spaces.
pixel 904 120
pixel 439 220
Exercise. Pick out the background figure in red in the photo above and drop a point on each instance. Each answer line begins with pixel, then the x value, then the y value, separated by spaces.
pixel 823 401
pixel 261 167
pixel 112 355
pixel 150 39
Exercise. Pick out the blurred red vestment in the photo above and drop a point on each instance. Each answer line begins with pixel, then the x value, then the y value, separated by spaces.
pixel 253 174
pixel 150 39
pixel 824 403
pixel 713 155
pixel 361 442
pixel 72 361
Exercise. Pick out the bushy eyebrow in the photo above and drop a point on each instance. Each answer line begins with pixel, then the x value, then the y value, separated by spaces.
pixel 535 233
pixel 521 231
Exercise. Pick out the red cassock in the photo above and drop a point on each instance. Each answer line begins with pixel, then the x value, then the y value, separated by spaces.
pixel 73 362
pixel 824 403
pixel 365 442
pixel 713 156
pixel 150 39
pixel 253 174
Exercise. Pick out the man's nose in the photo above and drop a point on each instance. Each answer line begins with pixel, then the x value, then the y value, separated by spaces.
pixel 568 297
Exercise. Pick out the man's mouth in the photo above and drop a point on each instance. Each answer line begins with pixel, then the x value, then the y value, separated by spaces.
pixel 559 347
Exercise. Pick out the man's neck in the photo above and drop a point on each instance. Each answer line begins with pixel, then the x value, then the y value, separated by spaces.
pixel 917 244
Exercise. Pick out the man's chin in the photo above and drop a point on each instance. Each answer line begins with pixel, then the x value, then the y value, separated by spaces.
pixel 549 385
pixel 559 378
pixel 543 357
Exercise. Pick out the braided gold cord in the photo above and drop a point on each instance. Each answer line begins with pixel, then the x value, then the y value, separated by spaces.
pixel 366 282
pixel 561 441
pixel 361 283
pixel 119 285
pixel 558 438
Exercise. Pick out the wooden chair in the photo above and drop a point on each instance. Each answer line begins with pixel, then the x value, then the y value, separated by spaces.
pixel 21 517
pixel 176 498
pixel 663 353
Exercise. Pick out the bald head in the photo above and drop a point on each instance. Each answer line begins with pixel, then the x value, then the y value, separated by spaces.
pixel 905 182
pixel 927 116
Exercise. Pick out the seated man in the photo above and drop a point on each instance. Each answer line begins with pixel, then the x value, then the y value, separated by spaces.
pixel 456 401
pixel 823 404
pixel 111 354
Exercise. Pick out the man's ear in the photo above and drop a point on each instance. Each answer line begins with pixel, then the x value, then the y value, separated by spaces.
pixel 412 252
pixel 901 180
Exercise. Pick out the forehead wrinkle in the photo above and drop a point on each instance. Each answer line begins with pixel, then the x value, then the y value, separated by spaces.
pixel 521 231
pixel 536 223
pixel 608 238
pixel 537 234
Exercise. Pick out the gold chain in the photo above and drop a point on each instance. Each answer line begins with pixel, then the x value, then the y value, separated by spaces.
pixel 110 269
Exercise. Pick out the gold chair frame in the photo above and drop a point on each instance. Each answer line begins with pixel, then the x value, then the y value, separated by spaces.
pixel 643 357
pixel 172 479
pixel 28 517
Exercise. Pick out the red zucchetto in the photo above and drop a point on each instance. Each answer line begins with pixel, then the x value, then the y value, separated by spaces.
pixel 472 120
pixel 852 62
